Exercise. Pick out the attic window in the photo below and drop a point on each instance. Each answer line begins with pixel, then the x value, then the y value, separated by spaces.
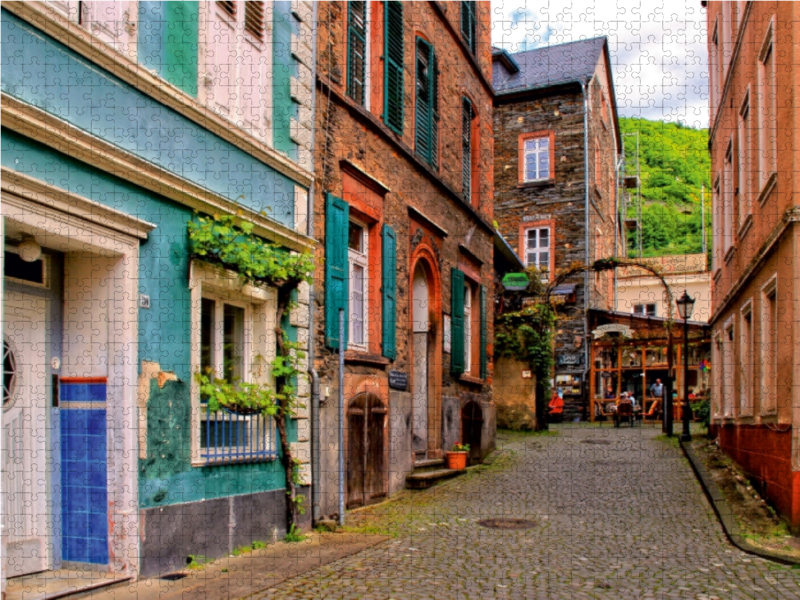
pixel 254 22
pixel 228 7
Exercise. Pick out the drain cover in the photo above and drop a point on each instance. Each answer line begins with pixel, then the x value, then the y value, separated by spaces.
pixel 507 523
pixel 606 442
pixel 174 576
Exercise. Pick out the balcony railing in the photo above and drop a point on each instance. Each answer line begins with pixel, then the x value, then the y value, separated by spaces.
pixel 228 437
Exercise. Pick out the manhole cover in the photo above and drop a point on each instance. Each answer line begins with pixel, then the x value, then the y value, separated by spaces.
pixel 606 442
pixel 507 523
pixel 174 576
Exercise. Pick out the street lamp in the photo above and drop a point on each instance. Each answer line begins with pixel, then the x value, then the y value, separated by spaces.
pixel 685 305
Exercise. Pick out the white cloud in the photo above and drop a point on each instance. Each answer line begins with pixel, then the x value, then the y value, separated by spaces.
pixel 658 48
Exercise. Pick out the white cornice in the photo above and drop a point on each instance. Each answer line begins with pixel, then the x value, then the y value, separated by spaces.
pixel 89 46
pixel 59 135
pixel 33 189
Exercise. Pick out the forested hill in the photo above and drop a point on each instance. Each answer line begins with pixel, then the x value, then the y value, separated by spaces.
pixel 674 165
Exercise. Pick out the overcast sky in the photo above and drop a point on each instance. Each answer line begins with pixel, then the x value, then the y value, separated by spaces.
pixel 658 48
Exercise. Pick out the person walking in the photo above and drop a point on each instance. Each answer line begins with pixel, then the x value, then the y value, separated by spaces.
pixel 657 389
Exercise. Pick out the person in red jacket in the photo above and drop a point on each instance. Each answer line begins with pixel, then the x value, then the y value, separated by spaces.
pixel 556 408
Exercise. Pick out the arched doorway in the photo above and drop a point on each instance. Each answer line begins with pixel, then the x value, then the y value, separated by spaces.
pixel 471 428
pixel 366 468
pixel 421 301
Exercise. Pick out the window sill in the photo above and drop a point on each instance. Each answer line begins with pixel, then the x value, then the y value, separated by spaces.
pixel 766 191
pixel 745 227
pixel 536 184
pixel 465 378
pixel 355 356
pixel 729 255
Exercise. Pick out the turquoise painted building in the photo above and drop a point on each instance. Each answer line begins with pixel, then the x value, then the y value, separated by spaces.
pixel 121 121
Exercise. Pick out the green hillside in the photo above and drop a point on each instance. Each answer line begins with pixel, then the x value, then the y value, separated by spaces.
pixel 674 165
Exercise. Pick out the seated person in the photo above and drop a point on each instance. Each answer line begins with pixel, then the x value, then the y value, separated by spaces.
pixel 610 393
pixel 628 397
pixel 556 408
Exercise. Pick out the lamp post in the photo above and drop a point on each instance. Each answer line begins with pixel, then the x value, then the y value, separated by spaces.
pixel 685 305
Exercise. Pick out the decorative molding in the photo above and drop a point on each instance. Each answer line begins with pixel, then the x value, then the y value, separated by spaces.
pixel 418 214
pixel 82 41
pixel 746 226
pixel 358 172
pixel 50 196
pixel 62 137
pixel 766 191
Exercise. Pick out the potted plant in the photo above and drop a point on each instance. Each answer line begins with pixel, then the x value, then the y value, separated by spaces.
pixel 457 457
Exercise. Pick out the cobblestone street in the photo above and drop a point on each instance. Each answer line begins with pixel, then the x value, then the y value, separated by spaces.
pixel 618 514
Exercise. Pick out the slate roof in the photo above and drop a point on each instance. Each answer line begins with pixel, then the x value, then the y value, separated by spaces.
pixel 548 66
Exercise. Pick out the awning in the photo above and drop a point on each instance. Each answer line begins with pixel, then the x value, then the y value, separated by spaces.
pixel 565 289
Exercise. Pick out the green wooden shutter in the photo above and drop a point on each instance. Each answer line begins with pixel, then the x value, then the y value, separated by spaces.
pixel 393 66
pixel 466 149
pixel 468 24
pixel 426 106
pixel 389 284
pixel 484 334
pixel 356 49
pixel 457 321
pixel 337 217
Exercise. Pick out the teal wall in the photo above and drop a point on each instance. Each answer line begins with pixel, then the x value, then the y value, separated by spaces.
pixel 40 71
pixel 284 68
pixel 167 41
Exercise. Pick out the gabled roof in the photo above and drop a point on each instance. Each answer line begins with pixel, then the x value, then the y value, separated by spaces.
pixel 548 66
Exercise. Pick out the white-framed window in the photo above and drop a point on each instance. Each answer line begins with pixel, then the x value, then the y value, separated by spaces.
pixel 727 369
pixel 768 101
pixel 769 346
pixel 715 75
pixel 649 310
pixel 536 157
pixel 718 208
pixel 233 337
pixel 359 285
pixel 717 375
pixel 467 327
pixel 746 359
pixel 537 249
pixel 744 157
pixel 727 199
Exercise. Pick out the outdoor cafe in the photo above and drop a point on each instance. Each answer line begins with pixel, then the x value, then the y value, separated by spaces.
pixel 630 365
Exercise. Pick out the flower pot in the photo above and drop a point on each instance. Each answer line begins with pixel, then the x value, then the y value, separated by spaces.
pixel 456 460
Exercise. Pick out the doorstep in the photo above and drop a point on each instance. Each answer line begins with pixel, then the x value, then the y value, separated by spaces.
pixel 49 585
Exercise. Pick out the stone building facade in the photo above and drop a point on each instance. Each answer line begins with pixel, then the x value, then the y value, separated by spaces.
pixel 403 211
pixel 556 143
pixel 756 264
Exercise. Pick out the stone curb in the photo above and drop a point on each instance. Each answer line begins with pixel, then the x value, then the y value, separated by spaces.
pixel 725 514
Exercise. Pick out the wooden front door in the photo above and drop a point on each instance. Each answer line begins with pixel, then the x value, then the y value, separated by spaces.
pixel 25 432
pixel 366 468
pixel 471 427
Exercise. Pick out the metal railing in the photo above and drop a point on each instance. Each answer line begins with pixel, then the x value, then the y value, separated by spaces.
pixel 228 437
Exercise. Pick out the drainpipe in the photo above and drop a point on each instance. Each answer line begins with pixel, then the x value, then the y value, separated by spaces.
pixel 312 372
pixel 586 352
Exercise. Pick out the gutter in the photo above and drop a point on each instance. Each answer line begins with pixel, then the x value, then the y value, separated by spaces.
pixel 586 354
pixel 312 372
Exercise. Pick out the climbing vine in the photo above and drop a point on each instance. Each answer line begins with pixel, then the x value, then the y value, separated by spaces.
pixel 229 241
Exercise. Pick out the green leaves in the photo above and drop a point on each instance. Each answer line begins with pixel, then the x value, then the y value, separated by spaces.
pixel 528 335
pixel 237 396
pixel 229 241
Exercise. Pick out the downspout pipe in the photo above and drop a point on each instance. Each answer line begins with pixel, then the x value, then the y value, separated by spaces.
pixel 586 353
pixel 312 372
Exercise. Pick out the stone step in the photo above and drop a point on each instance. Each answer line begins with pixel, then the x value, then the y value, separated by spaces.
pixel 422 481
pixel 428 464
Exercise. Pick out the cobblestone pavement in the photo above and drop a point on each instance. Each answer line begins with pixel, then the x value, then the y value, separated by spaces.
pixel 618 513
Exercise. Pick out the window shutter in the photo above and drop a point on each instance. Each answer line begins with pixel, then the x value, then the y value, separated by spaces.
pixel 356 49
pixel 468 24
pixel 393 66
pixel 484 334
pixel 457 322
pixel 466 149
pixel 255 19
pixel 389 283
pixel 337 216
pixel 426 104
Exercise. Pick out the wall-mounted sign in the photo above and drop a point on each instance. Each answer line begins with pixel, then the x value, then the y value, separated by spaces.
pixel 447 336
pixel 398 380
pixel 527 374
pixel 569 359
pixel 623 330
pixel 516 282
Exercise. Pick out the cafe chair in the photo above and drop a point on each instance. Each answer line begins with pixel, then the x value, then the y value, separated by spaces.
pixel 624 413
pixel 654 413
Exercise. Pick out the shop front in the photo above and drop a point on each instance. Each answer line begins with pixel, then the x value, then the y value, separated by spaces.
pixel 630 358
